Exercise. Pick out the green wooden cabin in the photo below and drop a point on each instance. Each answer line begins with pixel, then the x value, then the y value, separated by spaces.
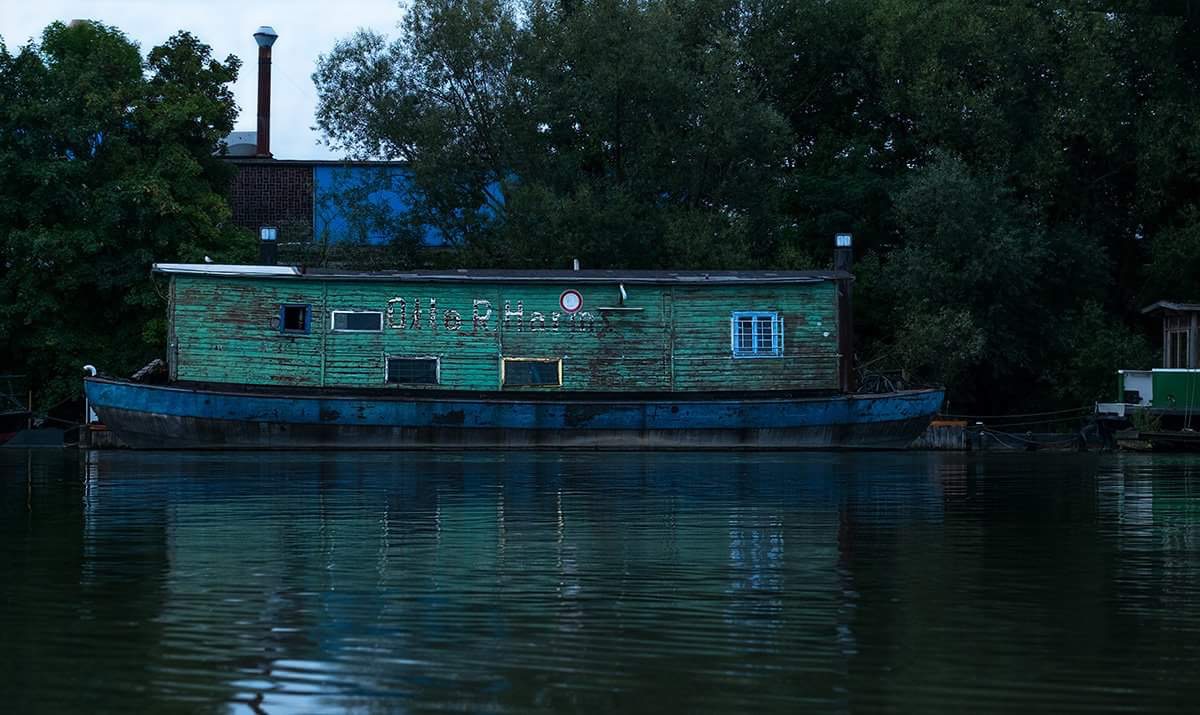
pixel 603 331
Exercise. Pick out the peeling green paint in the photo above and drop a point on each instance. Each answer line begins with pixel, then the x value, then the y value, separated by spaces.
pixel 656 338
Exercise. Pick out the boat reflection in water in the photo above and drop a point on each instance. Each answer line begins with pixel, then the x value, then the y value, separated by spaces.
pixel 540 581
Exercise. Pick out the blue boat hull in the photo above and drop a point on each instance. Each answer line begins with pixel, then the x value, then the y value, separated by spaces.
pixel 178 417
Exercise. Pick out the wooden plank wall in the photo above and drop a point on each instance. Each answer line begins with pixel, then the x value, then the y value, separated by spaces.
pixel 225 332
pixel 678 338
pixel 703 358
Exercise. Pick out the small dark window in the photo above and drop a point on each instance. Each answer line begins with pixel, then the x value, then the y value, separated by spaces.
pixel 412 371
pixel 294 318
pixel 520 372
pixel 360 322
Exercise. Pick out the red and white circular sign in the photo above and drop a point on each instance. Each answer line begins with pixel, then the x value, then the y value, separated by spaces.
pixel 570 301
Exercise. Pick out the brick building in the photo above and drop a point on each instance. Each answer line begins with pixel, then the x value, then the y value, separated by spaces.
pixel 268 192
pixel 314 201
pixel 326 201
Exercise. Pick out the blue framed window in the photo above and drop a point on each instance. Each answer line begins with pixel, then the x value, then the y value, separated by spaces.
pixel 755 333
pixel 295 318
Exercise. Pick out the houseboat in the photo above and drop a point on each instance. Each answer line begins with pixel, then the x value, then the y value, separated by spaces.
pixel 272 356
pixel 1159 409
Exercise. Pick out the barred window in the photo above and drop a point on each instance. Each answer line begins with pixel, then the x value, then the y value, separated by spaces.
pixel 756 334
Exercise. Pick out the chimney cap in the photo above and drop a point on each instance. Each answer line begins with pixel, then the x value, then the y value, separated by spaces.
pixel 265 36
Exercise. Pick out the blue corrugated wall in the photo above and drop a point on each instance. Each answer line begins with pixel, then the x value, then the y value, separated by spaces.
pixel 359 203
pixel 367 204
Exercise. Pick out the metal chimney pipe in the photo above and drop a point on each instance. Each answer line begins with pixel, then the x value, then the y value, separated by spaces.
pixel 843 260
pixel 265 37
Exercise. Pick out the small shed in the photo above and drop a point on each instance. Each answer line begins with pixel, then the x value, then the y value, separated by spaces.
pixel 1180 328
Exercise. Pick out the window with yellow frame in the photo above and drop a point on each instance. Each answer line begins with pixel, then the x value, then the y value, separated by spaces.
pixel 530 372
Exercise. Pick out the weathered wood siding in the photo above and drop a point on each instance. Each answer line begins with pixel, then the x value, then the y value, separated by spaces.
pixel 702 353
pixel 224 331
pixel 678 338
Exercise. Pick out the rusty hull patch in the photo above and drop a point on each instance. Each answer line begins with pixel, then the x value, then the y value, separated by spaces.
pixel 452 417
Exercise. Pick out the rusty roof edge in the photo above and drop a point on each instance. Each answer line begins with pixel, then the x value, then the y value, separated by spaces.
pixel 299 163
pixel 227 269
pixel 1171 305
pixel 508 276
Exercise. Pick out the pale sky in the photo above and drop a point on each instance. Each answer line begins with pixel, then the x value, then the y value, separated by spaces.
pixel 306 28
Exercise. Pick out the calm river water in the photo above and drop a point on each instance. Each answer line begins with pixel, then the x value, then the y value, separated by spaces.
pixel 519 582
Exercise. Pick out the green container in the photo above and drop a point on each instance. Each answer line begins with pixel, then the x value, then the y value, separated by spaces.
pixel 1176 389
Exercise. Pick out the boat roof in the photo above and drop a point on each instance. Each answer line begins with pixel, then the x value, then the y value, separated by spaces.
pixel 503 276
pixel 1171 307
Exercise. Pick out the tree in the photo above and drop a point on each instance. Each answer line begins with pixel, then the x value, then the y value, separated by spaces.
pixel 978 294
pixel 580 130
pixel 106 165
pixel 1175 261
pixel 436 99
pixel 1094 343
pixel 1007 168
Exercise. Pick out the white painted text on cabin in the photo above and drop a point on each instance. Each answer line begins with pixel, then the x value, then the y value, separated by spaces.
pixel 416 314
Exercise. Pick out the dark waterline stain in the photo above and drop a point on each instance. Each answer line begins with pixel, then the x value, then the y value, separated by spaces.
pixel 522 582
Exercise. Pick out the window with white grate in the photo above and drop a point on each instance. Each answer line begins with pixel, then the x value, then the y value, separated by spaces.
pixel 756 334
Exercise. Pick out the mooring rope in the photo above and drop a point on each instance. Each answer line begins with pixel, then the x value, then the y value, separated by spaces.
pixel 997 434
pixel 1087 408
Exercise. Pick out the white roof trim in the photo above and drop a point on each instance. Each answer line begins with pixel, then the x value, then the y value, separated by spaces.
pixel 221 269
pixel 506 276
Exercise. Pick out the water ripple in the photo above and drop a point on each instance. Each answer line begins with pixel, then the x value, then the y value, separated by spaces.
pixel 529 583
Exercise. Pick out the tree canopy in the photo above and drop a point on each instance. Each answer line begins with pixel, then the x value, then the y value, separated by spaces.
pixel 106 165
pixel 1019 177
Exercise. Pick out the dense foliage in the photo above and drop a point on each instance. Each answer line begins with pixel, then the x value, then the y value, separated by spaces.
pixel 106 165
pixel 1019 177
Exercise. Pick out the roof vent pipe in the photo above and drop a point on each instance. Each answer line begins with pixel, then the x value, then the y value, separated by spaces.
pixel 267 247
pixel 843 259
pixel 265 37
pixel 843 252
